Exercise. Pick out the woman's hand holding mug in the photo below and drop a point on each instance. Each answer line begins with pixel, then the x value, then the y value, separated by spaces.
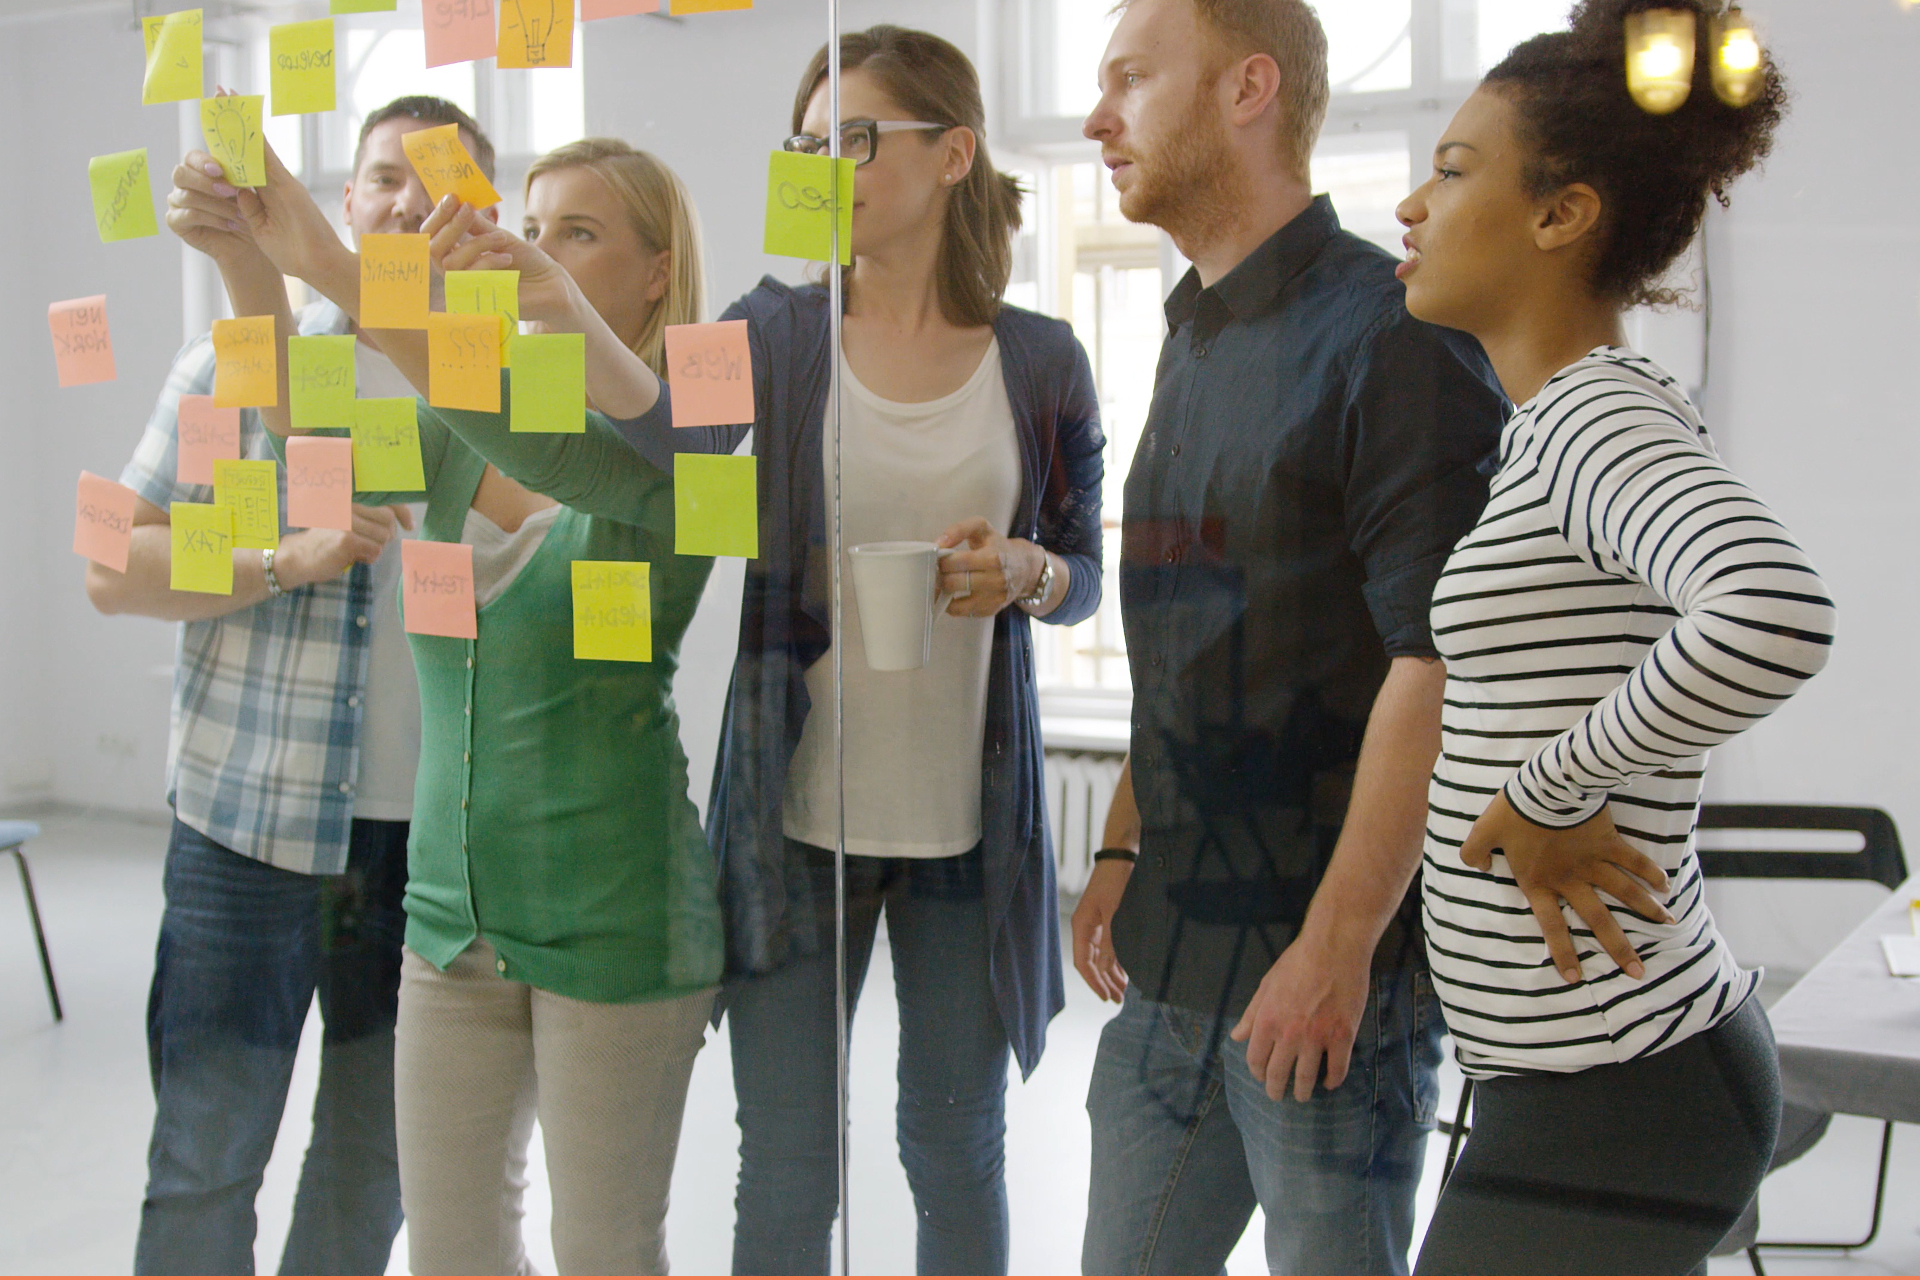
pixel 990 571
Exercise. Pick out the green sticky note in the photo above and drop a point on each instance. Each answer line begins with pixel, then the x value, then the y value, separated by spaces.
pixel 122 196
pixel 250 488
pixel 320 380
pixel 386 446
pixel 800 207
pixel 475 293
pixel 231 126
pixel 549 382
pixel 301 58
pixel 175 63
pixel 716 510
pixel 362 6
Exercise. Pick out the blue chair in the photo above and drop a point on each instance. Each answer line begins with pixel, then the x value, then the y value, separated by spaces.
pixel 12 836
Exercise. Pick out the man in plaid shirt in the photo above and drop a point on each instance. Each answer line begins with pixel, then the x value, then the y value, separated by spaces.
pixel 296 729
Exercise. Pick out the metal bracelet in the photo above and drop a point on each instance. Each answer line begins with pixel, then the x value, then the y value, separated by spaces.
pixel 1038 596
pixel 274 589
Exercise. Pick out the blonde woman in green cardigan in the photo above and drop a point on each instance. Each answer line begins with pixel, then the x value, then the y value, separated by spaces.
pixel 563 936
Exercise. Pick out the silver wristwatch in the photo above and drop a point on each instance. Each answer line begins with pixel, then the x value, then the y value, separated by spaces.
pixel 1038 596
pixel 274 589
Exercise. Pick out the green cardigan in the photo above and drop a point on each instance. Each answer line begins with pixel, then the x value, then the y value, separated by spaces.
pixel 550 813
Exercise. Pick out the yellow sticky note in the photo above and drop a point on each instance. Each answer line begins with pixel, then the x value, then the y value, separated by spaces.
pixel 386 446
pixel 495 293
pixel 549 382
pixel 362 6
pixel 320 381
pixel 800 207
pixel 536 33
pixel 394 279
pixel 174 58
pixel 301 57
pixel 231 126
pixel 612 611
pixel 716 508
pixel 250 488
pixel 246 369
pixel 122 196
pixel 202 547
pixel 441 160
pixel 707 6
pixel 463 359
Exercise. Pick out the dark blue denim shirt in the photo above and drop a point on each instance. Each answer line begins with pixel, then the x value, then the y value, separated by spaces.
pixel 785 619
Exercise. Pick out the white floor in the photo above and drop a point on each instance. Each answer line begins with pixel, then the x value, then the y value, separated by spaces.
pixel 75 1110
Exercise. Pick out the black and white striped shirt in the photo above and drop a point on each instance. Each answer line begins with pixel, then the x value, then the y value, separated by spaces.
pixel 1624 604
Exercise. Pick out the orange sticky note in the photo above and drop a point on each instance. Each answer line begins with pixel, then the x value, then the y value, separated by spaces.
pixel 320 482
pixel 444 166
pixel 708 6
pixel 710 370
pixel 592 9
pixel 103 521
pixel 457 30
pixel 246 363
pixel 394 278
pixel 207 431
pixel 82 347
pixel 463 358
pixel 536 33
pixel 436 589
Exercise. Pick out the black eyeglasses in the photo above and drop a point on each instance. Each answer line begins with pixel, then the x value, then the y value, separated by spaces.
pixel 859 139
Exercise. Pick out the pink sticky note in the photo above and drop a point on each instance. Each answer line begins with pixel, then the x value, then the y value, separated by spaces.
pixel 82 348
pixel 710 370
pixel 436 592
pixel 458 30
pixel 320 482
pixel 206 432
pixel 591 9
pixel 103 521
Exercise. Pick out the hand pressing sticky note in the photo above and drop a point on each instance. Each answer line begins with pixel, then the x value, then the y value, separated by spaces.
pixel 800 207
pixel 103 521
pixel 122 196
pixel 591 10
pixel 301 60
pixel 320 381
pixel 386 446
pixel 463 362
pixel 174 59
pixel 445 168
pixel 491 293
pixel 710 371
pixel 202 547
pixel 612 611
pixel 549 382
pixel 708 6
pixel 82 347
pixel 394 279
pixel 246 363
pixel 436 589
pixel 536 33
pixel 320 482
pixel 716 509
pixel 206 432
pixel 458 30
pixel 250 488
pixel 231 126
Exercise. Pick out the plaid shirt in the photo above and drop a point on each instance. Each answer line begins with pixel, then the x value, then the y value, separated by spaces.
pixel 265 741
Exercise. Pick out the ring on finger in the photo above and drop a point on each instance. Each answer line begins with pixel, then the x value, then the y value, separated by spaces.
pixel 958 595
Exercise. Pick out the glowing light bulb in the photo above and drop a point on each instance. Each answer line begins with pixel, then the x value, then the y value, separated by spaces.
pixel 1739 66
pixel 1660 59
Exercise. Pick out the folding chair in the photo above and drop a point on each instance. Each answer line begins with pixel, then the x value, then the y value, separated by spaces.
pixel 12 836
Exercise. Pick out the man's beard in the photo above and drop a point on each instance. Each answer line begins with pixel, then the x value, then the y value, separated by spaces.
pixel 1186 183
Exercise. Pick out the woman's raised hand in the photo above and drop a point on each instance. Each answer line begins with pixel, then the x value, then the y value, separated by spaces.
pixel 461 240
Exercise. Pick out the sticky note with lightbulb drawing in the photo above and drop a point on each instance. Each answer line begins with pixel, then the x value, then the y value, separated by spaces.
pixel 175 62
pixel 445 168
pixel 801 207
pixel 536 33
pixel 231 125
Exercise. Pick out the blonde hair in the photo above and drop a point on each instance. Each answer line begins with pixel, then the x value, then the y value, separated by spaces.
pixel 661 212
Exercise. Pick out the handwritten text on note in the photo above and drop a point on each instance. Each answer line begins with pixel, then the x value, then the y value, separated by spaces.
pixel 710 371
pixel 320 482
pixel 82 347
pixel 103 521
pixel 436 589
pixel 206 432
pixel 246 363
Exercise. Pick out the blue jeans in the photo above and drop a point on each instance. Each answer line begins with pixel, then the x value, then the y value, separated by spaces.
pixel 953 1074
pixel 1186 1141
pixel 243 948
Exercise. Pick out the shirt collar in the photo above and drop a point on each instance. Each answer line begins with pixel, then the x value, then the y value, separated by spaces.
pixel 1251 288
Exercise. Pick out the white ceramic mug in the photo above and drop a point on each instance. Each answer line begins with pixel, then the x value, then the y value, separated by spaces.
pixel 896 588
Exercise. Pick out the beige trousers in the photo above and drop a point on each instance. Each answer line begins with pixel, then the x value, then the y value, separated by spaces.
pixel 476 1059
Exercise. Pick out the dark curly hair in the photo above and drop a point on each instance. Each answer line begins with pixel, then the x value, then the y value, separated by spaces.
pixel 1653 173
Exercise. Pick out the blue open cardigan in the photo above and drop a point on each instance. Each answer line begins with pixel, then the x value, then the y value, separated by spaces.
pixel 785 627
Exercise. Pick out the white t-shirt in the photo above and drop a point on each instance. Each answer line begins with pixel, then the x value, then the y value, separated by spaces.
pixel 913 739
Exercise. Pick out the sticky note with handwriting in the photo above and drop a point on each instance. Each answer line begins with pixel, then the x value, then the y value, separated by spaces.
pixel 103 521
pixel 536 33
pixel 250 488
pixel 202 547
pixel 320 381
pixel 458 30
pixel 386 446
pixel 800 207
pixel 716 509
pixel 246 363
pixel 231 126
pixel 206 432
pixel 549 382
pixel 494 293
pixel 82 347
pixel 463 362
pixel 708 6
pixel 591 10
pixel 320 482
pixel 301 56
pixel 710 371
pixel 394 281
pixel 612 611
pixel 122 196
pixel 444 166
pixel 175 63
pixel 436 589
